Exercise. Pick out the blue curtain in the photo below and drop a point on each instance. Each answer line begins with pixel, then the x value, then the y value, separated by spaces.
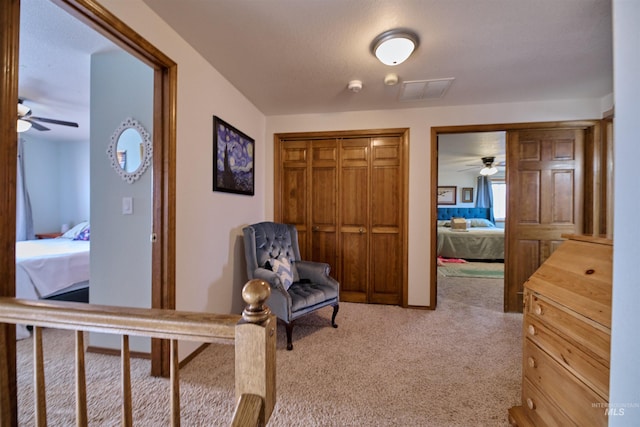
pixel 484 198
pixel 24 217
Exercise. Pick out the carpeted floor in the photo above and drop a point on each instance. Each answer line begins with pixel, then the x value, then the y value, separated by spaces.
pixel 384 366
pixel 483 270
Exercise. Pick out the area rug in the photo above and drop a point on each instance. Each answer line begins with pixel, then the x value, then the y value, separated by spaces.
pixel 485 270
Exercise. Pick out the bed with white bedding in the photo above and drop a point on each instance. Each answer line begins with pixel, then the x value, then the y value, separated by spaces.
pixel 51 268
pixel 48 266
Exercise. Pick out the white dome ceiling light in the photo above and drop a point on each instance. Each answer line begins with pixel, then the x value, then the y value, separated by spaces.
pixel 393 47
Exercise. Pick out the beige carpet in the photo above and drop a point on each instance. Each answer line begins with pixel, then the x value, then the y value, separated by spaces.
pixel 384 366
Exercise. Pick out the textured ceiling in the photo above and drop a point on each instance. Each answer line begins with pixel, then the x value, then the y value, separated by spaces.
pixel 297 56
pixel 307 51
pixel 55 55
pixel 463 152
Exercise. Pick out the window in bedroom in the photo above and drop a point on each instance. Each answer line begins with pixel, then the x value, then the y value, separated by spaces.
pixel 499 199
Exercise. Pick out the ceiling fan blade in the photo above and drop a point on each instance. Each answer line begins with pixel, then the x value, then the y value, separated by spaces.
pixel 468 169
pixel 54 121
pixel 38 126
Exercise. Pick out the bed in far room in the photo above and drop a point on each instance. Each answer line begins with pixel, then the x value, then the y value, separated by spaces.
pixel 482 240
pixel 54 268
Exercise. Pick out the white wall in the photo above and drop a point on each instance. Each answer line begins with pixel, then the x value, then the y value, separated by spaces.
pixel 420 121
pixel 75 184
pixel 57 174
pixel 625 345
pixel 121 87
pixel 210 268
pixel 452 178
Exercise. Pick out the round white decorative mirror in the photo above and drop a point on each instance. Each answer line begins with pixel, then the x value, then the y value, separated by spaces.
pixel 130 150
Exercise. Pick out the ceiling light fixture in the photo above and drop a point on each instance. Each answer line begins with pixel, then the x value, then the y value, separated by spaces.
pixel 393 47
pixel 488 168
pixel 23 125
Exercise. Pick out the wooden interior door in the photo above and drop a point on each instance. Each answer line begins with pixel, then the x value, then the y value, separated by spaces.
pixel 346 192
pixel 545 200
pixel 323 203
pixel 386 220
pixel 354 226
pixel 295 179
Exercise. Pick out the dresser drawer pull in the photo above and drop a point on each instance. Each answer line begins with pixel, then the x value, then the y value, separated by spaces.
pixel 532 330
pixel 538 309
pixel 531 362
pixel 530 404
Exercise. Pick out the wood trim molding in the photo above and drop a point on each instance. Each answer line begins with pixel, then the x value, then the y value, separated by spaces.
pixel 506 127
pixel 100 19
pixel 9 43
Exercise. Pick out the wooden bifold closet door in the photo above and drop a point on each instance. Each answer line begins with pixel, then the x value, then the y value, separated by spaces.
pixel 346 194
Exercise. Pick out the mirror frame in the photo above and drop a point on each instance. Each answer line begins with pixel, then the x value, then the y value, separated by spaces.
pixel 145 161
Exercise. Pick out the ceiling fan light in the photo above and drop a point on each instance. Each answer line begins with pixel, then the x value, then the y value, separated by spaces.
pixel 23 125
pixel 487 171
pixel 23 110
pixel 393 47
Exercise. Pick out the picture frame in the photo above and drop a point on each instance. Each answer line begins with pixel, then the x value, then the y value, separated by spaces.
pixel 447 195
pixel 466 195
pixel 233 159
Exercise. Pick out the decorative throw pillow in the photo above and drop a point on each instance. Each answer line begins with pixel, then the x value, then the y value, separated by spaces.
pixel 84 234
pixel 294 272
pixel 282 267
pixel 73 233
pixel 481 222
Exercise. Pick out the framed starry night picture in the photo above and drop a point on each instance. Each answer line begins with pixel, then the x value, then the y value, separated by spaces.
pixel 232 159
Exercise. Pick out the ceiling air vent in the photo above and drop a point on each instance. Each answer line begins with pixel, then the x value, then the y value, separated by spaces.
pixel 418 90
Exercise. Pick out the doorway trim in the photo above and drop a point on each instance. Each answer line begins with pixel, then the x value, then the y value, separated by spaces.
pixel 593 136
pixel 163 139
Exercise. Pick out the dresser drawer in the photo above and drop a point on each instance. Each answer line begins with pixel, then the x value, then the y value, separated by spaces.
pixel 579 363
pixel 578 402
pixel 591 337
pixel 539 409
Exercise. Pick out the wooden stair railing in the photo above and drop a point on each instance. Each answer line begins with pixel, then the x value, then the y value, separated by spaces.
pixel 253 333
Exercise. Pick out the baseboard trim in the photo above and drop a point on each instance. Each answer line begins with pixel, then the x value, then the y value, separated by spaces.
pixel 116 352
pixel 421 307
pixel 193 354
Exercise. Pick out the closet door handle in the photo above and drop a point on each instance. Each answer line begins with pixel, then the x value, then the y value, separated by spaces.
pixel 315 228
pixel 361 230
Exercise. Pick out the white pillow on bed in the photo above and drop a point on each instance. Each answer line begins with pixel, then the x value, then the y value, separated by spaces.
pixel 480 222
pixel 73 232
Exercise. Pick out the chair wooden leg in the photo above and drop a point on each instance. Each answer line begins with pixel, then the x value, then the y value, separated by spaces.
pixel 289 326
pixel 333 317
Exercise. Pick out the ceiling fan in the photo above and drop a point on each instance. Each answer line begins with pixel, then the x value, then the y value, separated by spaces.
pixel 489 166
pixel 26 120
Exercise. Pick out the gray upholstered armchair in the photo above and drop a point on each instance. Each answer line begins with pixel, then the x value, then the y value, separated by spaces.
pixel 297 287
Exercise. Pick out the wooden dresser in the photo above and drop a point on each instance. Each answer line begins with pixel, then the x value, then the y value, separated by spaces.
pixel 566 337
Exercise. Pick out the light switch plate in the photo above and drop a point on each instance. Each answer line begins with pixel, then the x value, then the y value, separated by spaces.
pixel 127 205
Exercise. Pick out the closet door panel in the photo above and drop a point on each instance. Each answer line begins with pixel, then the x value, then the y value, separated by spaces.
pixel 386 263
pixel 386 222
pixel 323 195
pixel 354 219
pixel 294 186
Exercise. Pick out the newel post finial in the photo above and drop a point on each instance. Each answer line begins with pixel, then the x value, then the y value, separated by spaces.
pixel 255 292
